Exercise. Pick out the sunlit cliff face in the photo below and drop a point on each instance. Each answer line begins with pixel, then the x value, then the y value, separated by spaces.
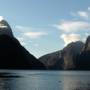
pixel 5 29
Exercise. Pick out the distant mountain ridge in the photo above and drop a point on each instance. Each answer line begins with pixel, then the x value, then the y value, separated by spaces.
pixel 75 56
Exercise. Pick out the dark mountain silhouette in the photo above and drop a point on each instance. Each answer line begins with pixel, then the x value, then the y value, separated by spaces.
pixel 64 59
pixel 12 54
pixel 83 59
pixel 87 44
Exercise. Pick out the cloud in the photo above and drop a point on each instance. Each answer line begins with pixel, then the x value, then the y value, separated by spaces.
pixel 68 38
pixel 83 14
pixel 35 35
pixel 73 26
pixel 23 29
pixel 79 23
pixel 29 32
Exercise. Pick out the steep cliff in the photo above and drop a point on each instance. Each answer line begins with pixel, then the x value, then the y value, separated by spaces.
pixel 64 59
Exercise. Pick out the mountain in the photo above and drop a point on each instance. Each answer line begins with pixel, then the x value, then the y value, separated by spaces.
pixel 87 44
pixel 64 59
pixel 70 53
pixel 5 28
pixel 12 54
pixel 83 60
pixel 52 60
pixel 75 56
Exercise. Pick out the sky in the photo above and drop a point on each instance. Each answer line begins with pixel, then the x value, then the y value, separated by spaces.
pixel 45 26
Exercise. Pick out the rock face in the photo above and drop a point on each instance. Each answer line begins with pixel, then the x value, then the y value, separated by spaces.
pixel 83 60
pixel 70 53
pixel 87 44
pixel 64 59
pixel 53 61
pixel 12 54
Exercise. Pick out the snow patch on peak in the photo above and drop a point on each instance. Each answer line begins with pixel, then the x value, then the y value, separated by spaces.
pixel 2 25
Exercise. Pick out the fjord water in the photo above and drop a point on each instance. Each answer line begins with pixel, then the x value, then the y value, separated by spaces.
pixel 44 80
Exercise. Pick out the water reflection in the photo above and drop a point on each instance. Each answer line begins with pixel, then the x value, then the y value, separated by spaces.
pixel 4 84
pixel 76 82
pixel 6 80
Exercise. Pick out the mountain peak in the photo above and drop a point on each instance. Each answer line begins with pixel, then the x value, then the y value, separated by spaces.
pixel 88 38
pixel 5 28
pixel 87 44
pixel 1 18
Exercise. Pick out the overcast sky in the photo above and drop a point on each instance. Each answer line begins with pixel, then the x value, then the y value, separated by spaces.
pixel 45 26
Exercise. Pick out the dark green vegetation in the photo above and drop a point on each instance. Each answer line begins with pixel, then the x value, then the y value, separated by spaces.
pixel 75 56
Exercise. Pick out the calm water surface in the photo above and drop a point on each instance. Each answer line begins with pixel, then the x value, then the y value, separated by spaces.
pixel 44 80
